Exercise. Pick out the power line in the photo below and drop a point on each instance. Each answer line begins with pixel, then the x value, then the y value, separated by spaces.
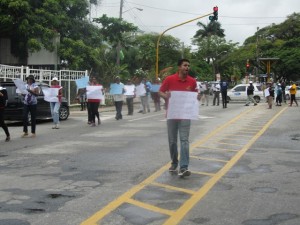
pixel 236 17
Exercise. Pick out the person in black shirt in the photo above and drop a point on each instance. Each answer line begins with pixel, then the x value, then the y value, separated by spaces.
pixel 3 102
pixel 250 92
pixel 224 87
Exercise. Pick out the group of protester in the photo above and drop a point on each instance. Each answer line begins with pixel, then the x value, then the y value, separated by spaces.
pixel 30 93
pixel 277 92
pixel 179 84
pixel 138 87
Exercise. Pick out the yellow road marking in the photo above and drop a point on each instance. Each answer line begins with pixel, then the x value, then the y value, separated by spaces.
pixel 190 203
pixel 177 216
pixel 215 148
pixel 209 159
pixel 225 143
pixel 237 138
pixel 203 173
pixel 123 198
pixel 173 188
pixel 150 207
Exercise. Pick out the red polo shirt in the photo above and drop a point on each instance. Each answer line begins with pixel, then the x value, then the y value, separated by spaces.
pixel 174 83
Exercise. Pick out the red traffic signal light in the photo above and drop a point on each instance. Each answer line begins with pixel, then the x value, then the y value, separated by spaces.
pixel 215 16
pixel 247 65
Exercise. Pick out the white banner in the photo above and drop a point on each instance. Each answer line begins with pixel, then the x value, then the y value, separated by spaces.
pixel 129 89
pixel 183 105
pixel 94 92
pixel 50 94
pixel 141 90
pixel 21 88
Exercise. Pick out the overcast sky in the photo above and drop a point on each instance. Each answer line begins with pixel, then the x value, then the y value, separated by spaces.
pixel 239 18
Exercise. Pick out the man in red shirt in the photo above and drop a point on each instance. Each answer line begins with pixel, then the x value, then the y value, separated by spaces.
pixel 179 81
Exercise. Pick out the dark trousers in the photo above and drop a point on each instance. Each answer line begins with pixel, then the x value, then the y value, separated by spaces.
pixel 129 102
pixel 89 111
pixel 216 97
pixel 94 111
pixel 224 98
pixel 156 100
pixel 32 110
pixel 118 105
pixel 2 123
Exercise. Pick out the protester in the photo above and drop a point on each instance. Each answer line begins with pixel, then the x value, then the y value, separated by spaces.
pixel 278 95
pixel 54 106
pixel 118 96
pixel 30 105
pixel 3 103
pixel 142 93
pixel 81 96
pixel 250 92
pixel 216 93
pixel 130 95
pixel 179 81
pixel 148 93
pixel 293 91
pixel 204 93
pixel 93 104
pixel 155 96
pixel 270 96
pixel 224 87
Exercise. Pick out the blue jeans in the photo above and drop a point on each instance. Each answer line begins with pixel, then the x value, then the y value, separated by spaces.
pixel 181 127
pixel 54 106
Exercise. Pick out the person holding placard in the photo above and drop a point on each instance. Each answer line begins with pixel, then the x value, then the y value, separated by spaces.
pixel 55 103
pixel 142 93
pixel 155 96
pixel 117 90
pixel 179 82
pixel 94 96
pixel 130 95
pixel 30 104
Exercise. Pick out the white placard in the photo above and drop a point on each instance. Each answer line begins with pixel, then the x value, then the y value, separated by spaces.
pixel 21 88
pixel 94 92
pixel 129 89
pixel 267 92
pixel 140 90
pixel 50 94
pixel 183 105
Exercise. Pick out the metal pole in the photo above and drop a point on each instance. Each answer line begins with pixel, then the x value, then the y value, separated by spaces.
pixel 119 42
pixel 157 44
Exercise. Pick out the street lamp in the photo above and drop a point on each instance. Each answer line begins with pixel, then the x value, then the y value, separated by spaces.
pixel 133 8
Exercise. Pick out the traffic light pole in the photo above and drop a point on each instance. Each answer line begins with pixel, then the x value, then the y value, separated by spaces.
pixel 157 44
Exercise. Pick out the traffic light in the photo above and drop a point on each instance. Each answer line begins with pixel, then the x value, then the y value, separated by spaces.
pixel 215 16
pixel 248 64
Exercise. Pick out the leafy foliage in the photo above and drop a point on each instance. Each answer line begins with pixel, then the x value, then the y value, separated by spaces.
pixel 33 25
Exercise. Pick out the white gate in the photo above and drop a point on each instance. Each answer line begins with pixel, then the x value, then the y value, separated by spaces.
pixel 8 73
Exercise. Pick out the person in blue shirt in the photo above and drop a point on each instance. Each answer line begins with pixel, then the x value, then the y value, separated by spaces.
pixel 148 93
pixel 224 87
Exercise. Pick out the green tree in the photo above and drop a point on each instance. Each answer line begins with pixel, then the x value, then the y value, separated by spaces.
pixel 278 41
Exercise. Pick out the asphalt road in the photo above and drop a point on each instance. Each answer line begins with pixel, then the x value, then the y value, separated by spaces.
pixel 244 162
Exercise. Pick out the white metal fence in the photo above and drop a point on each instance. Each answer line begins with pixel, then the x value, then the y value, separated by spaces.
pixel 65 77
